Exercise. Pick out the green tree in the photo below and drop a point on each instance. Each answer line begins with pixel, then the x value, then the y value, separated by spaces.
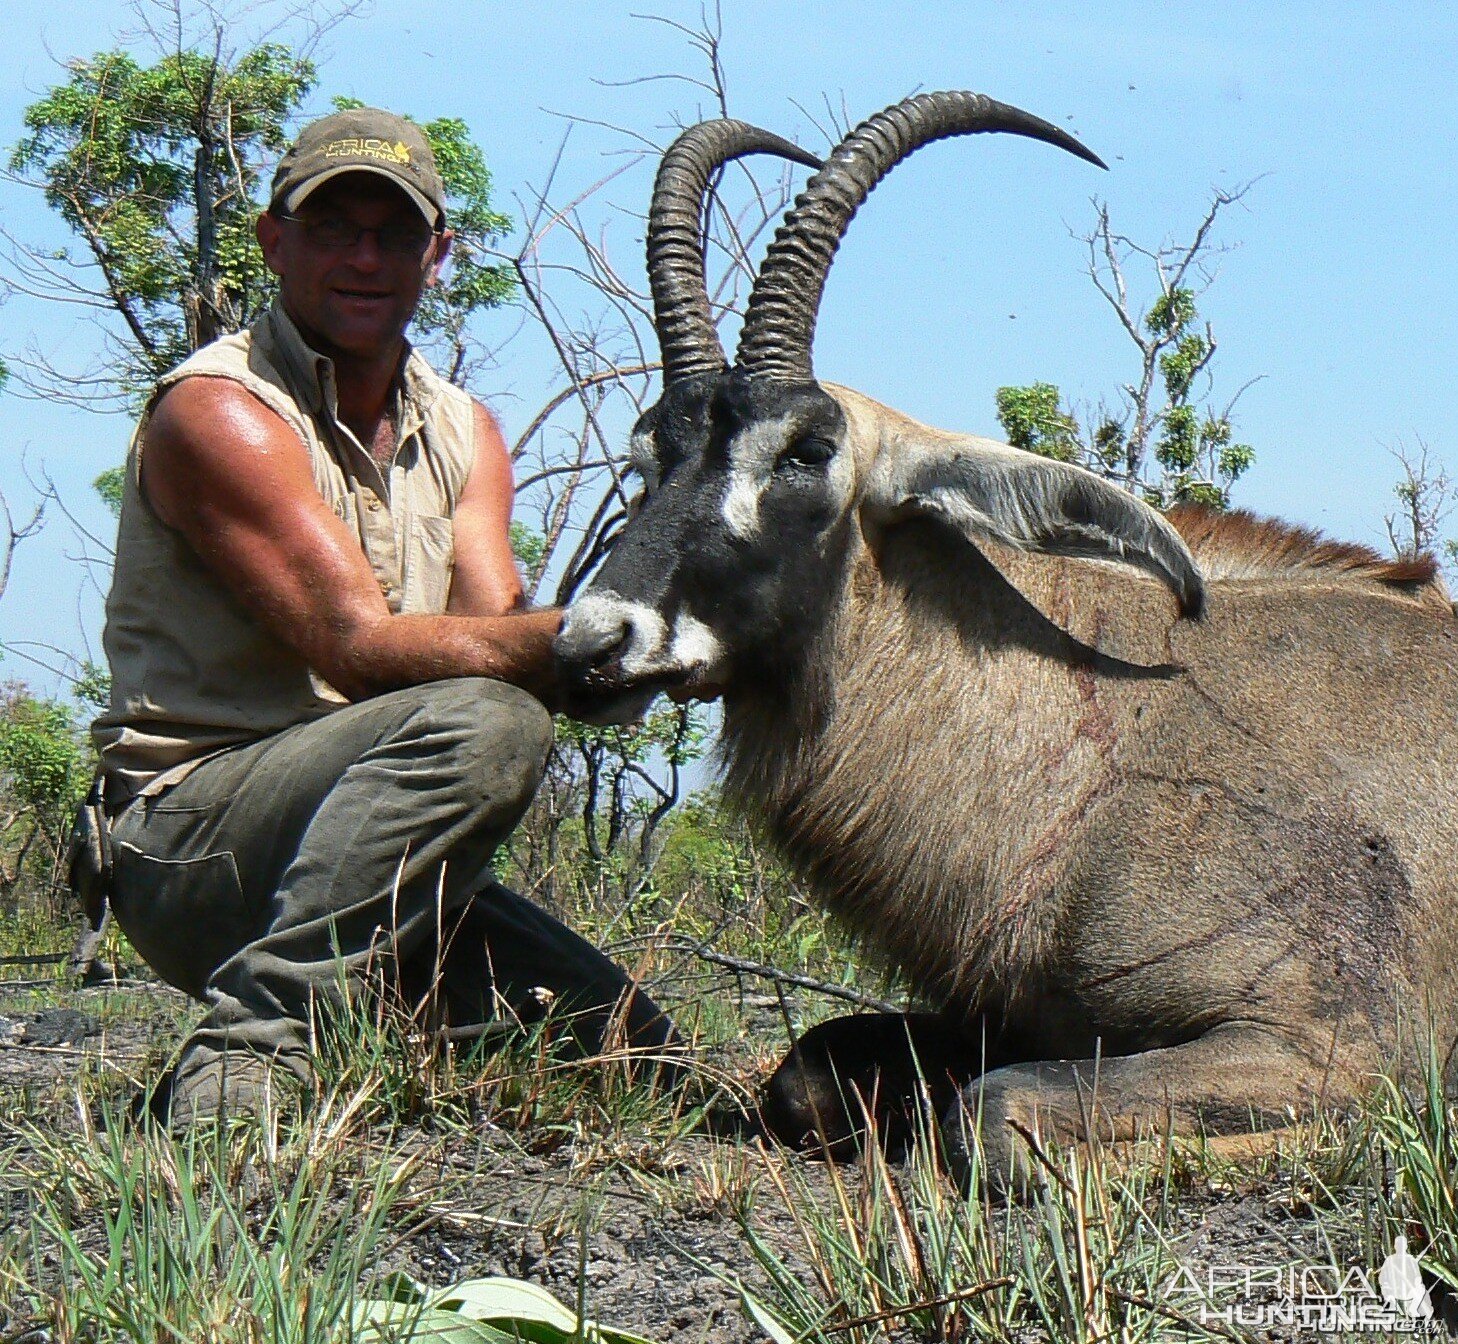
pixel 1166 440
pixel 45 767
pixel 1426 497
pixel 622 796
pixel 1034 420
pixel 159 170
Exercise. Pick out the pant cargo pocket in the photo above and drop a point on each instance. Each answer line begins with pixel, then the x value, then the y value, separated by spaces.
pixel 184 916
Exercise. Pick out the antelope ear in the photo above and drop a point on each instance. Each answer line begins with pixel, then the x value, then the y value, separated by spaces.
pixel 987 490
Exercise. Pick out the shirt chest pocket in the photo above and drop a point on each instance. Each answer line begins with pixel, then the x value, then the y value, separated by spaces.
pixel 430 556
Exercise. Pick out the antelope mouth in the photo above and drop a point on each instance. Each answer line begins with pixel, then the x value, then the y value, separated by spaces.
pixel 695 682
pixel 610 648
pixel 603 696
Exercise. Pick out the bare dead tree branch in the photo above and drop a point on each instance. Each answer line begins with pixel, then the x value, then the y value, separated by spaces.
pixel 1175 266
pixel 591 312
pixel 1427 496
pixel 12 535
pixel 783 977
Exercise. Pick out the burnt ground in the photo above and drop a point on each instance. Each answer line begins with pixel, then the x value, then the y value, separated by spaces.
pixel 653 1238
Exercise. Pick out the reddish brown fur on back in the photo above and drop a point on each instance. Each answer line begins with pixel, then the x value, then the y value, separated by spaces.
pixel 1240 545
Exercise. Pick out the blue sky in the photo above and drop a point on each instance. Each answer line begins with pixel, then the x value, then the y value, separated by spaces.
pixel 960 274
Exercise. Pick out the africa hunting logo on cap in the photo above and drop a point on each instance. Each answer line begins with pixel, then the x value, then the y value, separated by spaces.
pixel 360 139
pixel 369 148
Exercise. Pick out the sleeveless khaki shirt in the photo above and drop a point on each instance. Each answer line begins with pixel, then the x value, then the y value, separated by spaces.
pixel 192 672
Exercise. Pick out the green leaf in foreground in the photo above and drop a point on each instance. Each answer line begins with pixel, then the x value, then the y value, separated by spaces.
pixel 765 1319
pixel 478 1311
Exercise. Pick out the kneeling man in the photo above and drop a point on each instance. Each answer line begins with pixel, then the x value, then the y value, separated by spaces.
pixel 327 698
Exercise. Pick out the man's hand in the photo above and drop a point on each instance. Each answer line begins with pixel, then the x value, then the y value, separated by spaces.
pixel 233 479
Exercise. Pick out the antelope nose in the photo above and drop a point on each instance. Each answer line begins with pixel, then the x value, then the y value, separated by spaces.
pixel 595 634
pixel 605 647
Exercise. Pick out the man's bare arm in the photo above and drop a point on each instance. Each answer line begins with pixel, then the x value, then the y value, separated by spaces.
pixel 485 581
pixel 231 476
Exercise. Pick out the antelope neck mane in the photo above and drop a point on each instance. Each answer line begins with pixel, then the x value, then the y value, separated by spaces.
pixel 1241 545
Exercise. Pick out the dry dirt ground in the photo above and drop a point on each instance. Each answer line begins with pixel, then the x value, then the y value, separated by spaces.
pixel 657 1253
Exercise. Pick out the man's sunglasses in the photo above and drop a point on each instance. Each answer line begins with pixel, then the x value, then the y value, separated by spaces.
pixel 336 235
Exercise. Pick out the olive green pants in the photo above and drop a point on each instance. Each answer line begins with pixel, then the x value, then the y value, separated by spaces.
pixel 362 840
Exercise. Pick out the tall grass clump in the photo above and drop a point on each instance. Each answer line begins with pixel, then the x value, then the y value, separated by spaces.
pixel 902 1253
pixel 234 1234
pixel 1414 1128
pixel 389 1065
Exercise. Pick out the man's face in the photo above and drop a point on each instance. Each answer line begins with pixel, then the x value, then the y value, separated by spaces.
pixel 355 300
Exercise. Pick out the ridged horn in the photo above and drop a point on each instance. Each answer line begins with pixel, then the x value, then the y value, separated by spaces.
pixel 686 332
pixel 779 324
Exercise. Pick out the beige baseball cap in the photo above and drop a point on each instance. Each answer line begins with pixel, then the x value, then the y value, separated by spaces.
pixel 360 140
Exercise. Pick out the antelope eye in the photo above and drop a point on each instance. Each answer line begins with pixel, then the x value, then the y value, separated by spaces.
pixel 810 451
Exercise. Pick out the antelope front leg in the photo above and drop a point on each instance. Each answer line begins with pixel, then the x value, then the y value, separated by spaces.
pixel 1235 1078
pixel 876 1064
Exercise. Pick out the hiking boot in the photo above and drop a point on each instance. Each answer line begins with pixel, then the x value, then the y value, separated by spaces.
pixel 218 1085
